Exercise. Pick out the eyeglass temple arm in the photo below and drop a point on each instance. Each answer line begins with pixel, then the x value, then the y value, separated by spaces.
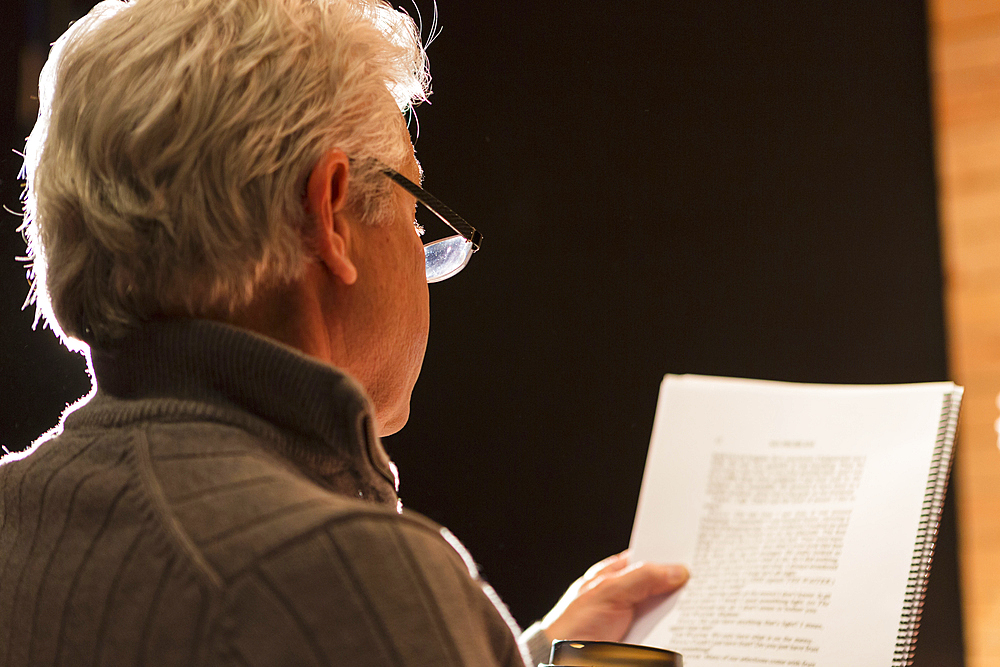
pixel 438 208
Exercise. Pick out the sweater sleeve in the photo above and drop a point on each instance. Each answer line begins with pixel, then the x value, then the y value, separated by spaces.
pixel 536 644
pixel 369 590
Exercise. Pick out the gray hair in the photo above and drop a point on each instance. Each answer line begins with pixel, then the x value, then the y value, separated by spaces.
pixel 167 169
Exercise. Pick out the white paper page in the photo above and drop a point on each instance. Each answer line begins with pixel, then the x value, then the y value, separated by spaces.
pixel 796 508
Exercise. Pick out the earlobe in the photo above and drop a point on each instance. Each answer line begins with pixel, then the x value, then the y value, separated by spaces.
pixel 326 201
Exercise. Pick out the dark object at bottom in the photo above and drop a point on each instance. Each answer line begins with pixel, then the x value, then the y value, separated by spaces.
pixel 610 654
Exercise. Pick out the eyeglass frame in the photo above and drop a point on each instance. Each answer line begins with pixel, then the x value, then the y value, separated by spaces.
pixel 437 207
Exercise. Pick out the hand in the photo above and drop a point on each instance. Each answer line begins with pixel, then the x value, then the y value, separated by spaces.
pixel 601 604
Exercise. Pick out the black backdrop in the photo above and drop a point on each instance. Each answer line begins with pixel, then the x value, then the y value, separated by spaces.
pixel 732 187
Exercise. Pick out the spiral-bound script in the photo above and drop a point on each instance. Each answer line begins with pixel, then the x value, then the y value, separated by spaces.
pixel 806 514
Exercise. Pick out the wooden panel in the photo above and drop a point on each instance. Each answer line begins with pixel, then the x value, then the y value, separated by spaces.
pixel 965 47
pixel 945 12
pixel 968 152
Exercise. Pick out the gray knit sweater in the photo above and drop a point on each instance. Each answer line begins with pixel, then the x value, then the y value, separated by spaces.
pixel 223 500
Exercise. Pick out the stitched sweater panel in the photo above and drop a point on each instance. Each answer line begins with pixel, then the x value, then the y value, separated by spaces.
pixel 187 527
pixel 130 547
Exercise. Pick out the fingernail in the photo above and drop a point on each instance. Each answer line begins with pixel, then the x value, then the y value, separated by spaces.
pixel 677 574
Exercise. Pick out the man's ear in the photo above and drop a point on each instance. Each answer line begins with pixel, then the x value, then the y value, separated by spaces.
pixel 326 201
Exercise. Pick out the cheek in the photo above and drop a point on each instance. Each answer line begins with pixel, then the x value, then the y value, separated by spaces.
pixel 417 281
pixel 418 254
pixel 420 266
pixel 423 293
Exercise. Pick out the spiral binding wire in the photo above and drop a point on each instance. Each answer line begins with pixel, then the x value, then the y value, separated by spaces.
pixel 930 516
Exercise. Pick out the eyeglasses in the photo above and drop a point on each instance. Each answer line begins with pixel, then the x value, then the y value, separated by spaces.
pixel 445 257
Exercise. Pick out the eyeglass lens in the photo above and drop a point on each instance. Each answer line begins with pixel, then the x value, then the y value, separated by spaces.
pixel 446 257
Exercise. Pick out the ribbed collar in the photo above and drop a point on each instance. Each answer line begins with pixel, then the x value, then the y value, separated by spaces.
pixel 324 410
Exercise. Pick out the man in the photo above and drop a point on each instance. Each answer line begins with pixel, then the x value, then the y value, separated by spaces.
pixel 220 207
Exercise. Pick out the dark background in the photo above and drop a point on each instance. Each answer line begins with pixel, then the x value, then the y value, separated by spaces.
pixel 735 188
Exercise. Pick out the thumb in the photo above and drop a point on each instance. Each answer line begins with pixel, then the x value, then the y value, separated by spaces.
pixel 642 581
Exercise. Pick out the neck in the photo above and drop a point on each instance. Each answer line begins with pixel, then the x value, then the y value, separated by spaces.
pixel 300 316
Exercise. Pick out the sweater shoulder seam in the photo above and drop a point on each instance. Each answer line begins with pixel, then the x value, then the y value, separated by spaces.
pixel 161 508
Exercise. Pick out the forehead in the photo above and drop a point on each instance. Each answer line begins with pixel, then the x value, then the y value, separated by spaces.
pixel 412 169
pixel 411 166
